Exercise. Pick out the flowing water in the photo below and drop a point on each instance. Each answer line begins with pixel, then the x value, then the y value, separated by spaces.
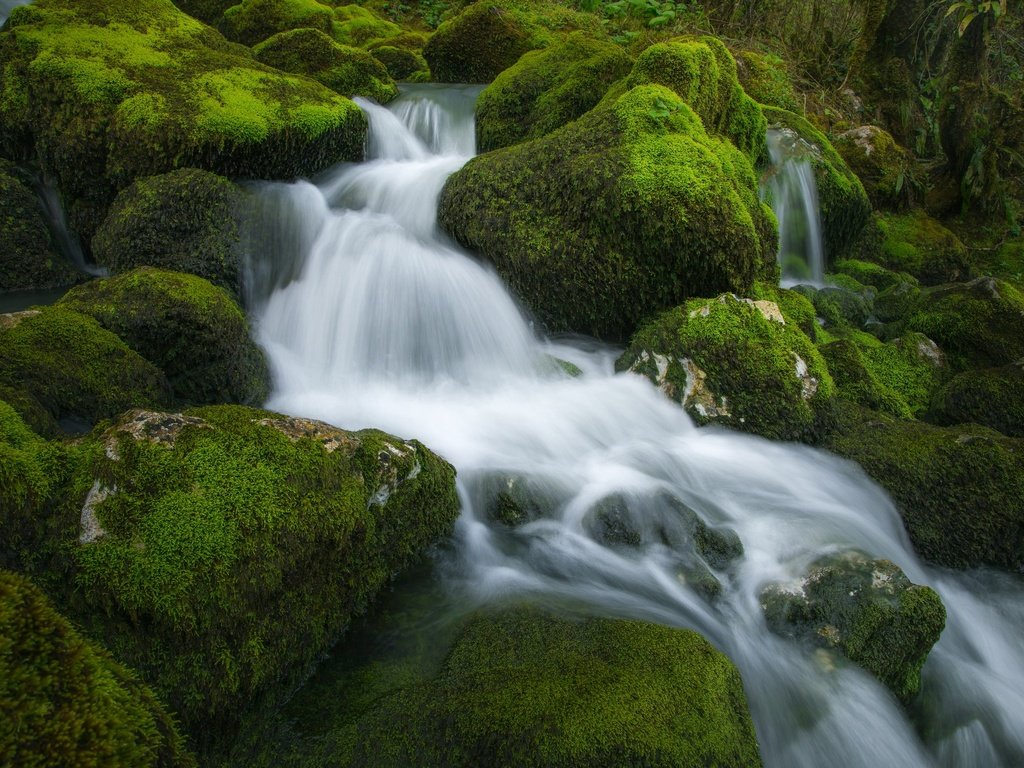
pixel 372 317
pixel 6 6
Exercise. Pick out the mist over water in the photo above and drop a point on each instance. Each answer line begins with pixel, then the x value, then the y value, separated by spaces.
pixel 373 318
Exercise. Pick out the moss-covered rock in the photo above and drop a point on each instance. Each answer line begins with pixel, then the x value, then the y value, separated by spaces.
pixel 357 26
pixel 345 70
pixel 69 370
pixel 845 208
pixel 104 93
pixel 993 397
pixel 870 274
pixel 960 490
pixel 64 701
pixel 221 551
pixel 186 220
pixel 737 363
pixel 765 79
pixel 867 610
pixel 918 244
pixel 251 21
pixel 489 36
pixel 401 63
pixel 630 209
pixel 192 330
pixel 979 324
pixel 546 89
pixel 886 169
pixel 208 11
pixel 856 381
pixel 522 688
pixel 28 258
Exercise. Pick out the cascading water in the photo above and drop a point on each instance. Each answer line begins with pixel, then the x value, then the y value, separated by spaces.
pixel 6 6
pixel 793 193
pixel 371 317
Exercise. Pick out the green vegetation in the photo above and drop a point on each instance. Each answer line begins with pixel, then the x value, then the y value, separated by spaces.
pixel 192 330
pixel 357 26
pixel 765 79
pixel 886 169
pixel 918 244
pixel 64 701
pixel 251 21
pixel 993 397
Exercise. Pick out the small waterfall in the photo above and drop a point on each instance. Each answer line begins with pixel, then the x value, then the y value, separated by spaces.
pixel 64 238
pixel 793 193
pixel 6 6
pixel 372 318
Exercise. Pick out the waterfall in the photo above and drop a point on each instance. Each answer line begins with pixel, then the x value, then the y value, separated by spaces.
pixel 793 193
pixel 6 6
pixel 372 318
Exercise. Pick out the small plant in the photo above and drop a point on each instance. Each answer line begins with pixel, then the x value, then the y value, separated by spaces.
pixel 969 10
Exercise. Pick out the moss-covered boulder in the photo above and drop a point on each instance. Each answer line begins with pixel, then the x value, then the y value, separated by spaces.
pixel 979 324
pixel 251 21
pixel 522 688
pixel 844 204
pixel 222 550
pixel 546 89
pixel 65 369
pixel 960 490
pixel 104 93
pixel 887 170
pixel 208 11
pixel 345 70
pixel 357 26
pixel 401 63
pixel 918 244
pixel 993 397
pixel 489 36
pixel 192 330
pixel 186 220
pixel 765 79
pixel 628 210
pixel 867 610
pixel 64 701
pixel 28 258
pixel 737 363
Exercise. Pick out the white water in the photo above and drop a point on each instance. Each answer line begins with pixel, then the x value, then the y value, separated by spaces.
pixel 794 198
pixel 371 317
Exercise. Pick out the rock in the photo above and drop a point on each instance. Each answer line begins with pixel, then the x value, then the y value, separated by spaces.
pixel 192 330
pixel 105 94
pixel 207 11
pixel 546 89
pixel 186 220
pixel 887 170
pixel 64 368
pixel 360 27
pixel 993 397
pixel 401 63
pixel 865 609
pixel 731 362
pixel 524 688
pixel 345 70
pixel 513 499
pixel 918 244
pixel 66 701
pixel 870 274
pixel 765 79
pixel 252 21
pixel 628 210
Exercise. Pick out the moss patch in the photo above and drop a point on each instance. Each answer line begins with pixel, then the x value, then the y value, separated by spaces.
pixel 993 397
pixel 355 25
pixel 886 169
pixel 765 79
pixel 251 21
pixel 918 244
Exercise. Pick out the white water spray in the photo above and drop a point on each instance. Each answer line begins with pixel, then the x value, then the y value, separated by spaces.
pixel 372 317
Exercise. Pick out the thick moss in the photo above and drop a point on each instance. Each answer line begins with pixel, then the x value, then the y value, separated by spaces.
pixel 192 330
pixel 844 203
pixel 628 210
pixel 185 220
pixel 525 689
pixel 546 89
pixel 918 244
pixel 65 702
pixel 105 93
pixel 28 258
pixel 870 274
pixel 345 70
pixel 868 610
pixel 357 26
pixel 765 79
pixel 65 365
pixel 737 363
pixel 401 63
pixel 208 11
pixel 960 490
pixel 886 169
pixel 221 551
pixel 489 36
pixel 979 324
pixel 856 381
pixel 252 21
pixel 993 397
pixel 702 73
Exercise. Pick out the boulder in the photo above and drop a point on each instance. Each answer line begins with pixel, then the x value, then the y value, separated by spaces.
pixel 252 21
pixel 918 244
pixel 765 79
pixel 993 397
pixel 887 170
pixel 360 27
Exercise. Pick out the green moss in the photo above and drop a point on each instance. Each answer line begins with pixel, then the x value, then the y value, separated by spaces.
pixel 856 381
pixel 869 611
pixel 73 369
pixel 64 701
pixel 886 169
pixel 546 89
pixel 26 482
pixel 401 63
pixel 628 210
pixel 357 26
pixel 251 21
pixel 735 363
pixel 993 397
pixel 525 689
pixel 108 92
pixel 186 220
pixel 765 79
pixel 192 330
pixel 208 11
pixel 960 490
pixel 345 70
pixel 918 244
pixel 869 274
pixel 844 203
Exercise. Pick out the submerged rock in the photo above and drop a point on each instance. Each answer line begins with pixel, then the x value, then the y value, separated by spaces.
pixel 867 610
